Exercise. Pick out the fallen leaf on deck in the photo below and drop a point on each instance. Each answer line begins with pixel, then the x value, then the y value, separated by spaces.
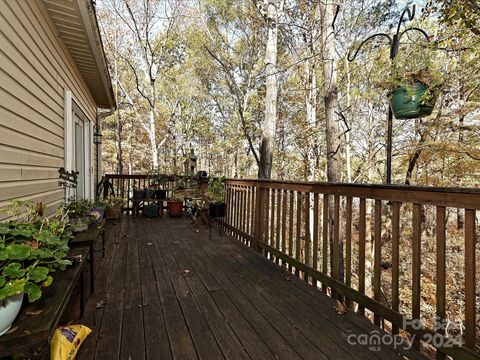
pixel 33 312
pixel 340 308
pixel 100 304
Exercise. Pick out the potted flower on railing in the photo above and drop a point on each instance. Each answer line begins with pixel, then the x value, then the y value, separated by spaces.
pixel 80 213
pixel 113 207
pixel 175 205
pixel 216 196
pixel 32 247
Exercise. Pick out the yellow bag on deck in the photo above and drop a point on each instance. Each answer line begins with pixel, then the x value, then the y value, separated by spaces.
pixel 67 340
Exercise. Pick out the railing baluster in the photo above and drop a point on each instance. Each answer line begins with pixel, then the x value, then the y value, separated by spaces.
pixel 377 269
pixel 395 259
pixel 361 251
pixel 290 228
pixel 272 221
pixel 348 246
pixel 229 204
pixel 284 223
pixel 279 222
pixel 416 274
pixel 266 199
pixel 298 240
pixel 308 240
pixel 470 293
pixel 252 210
pixel 440 276
pixel 325 239
pixel 336 237
pixel 258 225
pixel 244 210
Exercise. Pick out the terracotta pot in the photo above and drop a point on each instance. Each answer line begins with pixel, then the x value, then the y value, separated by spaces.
pixel 113 213
pixel 175 208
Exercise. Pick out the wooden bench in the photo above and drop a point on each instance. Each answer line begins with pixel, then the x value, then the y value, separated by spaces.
pixel 33 329
pixel 88 238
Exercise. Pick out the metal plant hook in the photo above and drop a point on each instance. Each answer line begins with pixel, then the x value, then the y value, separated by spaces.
pixel 411 15
pixel 394 45
pixel 351 58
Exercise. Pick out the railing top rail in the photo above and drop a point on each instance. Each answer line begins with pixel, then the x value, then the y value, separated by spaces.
pixel 468 198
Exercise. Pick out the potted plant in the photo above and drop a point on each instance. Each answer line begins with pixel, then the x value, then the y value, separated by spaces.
pixel 138 194
pixel 414 84
pixel 32 247
pixel 161 182
pixel 414 96
pixel 175 205
pixel 80 214
pixel 113 207
pixel 216 196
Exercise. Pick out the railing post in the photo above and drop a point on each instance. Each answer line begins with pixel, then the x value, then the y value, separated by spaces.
pixel 258 217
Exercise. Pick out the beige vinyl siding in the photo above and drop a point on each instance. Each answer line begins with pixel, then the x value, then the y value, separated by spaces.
pixel 35 70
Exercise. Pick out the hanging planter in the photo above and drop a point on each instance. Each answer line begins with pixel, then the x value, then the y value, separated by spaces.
pixel 411 103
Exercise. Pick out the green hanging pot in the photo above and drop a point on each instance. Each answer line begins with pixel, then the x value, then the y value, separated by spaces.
pixel 406 104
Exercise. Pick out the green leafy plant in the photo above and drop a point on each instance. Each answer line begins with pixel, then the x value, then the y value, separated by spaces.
pixel 417 65
pixel 113 202
pixel 32 247
pixel 176 196
pixel 100 202
pixel 79 209
pixel 216 190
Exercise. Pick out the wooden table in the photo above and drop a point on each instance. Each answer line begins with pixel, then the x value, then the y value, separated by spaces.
pixel 88 238
pixel 34 327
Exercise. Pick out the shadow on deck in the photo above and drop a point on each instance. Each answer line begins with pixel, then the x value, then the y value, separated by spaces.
pixel 168 291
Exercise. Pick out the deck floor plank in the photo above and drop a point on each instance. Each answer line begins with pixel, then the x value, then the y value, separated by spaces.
pixel 175 292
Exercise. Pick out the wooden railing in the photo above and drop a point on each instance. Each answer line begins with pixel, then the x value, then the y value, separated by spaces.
pixel 329 247
pixel 122 186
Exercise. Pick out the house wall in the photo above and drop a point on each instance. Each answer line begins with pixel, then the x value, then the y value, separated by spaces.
pixel 35 71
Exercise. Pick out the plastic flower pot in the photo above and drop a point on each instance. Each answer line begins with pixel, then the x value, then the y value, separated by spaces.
pixel 113 213
pixel 148 194
pixel 79 225
pixel 160 194
pixel 138 194
pixel 216 210
pixel 408 105
pixel 9 309
pixel 151 210
pixel 175 208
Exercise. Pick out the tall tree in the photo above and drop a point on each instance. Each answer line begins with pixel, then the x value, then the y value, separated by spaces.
pixel 328 11
pixel 271 9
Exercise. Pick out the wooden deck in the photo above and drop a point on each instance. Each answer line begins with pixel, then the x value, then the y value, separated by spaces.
pixel 168 291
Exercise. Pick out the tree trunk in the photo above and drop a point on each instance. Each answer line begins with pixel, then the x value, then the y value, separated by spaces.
pixel 270 122
pixel 347 133
pixel 152 137
pixel 311 107
pixel 330 96
pixel 460 212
